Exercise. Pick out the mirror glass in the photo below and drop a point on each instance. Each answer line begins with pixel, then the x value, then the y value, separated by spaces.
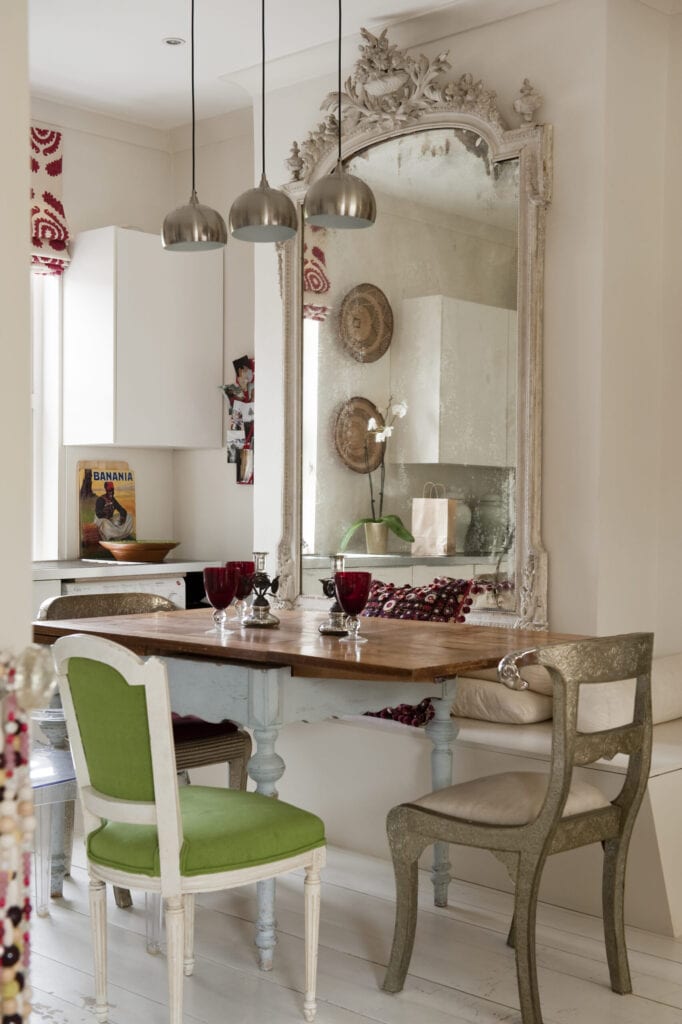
pixel 415 315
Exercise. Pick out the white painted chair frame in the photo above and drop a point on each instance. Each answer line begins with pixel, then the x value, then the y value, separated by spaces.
pixel 177 890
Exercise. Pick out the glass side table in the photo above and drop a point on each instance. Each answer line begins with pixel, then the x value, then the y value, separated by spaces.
pixel 53 781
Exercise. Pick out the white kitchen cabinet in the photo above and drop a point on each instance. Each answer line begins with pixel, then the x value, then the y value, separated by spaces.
pixel 143 343
pixel 454 363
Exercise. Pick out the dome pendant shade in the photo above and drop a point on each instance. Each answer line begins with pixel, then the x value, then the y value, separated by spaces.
pixel 263 214
pixel 340 200
pixel 193 228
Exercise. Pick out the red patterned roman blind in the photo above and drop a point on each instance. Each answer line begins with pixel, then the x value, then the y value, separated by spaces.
pixel 315 278
pixel 49 230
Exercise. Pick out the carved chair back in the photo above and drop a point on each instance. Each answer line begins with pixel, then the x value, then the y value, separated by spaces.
pixel 90 606
pixel 584 662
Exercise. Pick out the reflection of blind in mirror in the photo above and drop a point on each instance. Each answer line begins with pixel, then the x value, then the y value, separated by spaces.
pixel 311 334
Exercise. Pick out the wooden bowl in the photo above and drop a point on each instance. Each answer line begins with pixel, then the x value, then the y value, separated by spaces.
pixel 139 550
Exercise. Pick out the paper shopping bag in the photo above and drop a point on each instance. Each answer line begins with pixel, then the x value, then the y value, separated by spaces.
pixel 433 522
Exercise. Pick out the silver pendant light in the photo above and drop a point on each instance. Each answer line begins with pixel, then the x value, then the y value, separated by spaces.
pixel 263 214
pixel 339 199
pixel 194 227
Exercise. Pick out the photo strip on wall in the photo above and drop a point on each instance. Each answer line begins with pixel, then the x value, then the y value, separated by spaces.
pixel 240 420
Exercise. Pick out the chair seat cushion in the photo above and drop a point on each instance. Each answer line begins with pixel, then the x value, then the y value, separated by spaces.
pixel 510 798
pixel 223 830
pixel 189 728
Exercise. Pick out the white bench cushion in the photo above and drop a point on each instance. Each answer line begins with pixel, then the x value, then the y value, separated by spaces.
pixel 510 798
pixel 489 701
pixel 604 705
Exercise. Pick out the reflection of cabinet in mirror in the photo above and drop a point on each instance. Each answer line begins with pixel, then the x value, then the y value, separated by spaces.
pixel 454 363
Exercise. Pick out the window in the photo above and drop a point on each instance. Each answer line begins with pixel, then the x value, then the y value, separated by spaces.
pixel 46 298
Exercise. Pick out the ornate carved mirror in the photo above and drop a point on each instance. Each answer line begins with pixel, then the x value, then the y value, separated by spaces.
pixel 430 323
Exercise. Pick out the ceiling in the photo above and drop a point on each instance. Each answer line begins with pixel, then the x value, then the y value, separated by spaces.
pixel 108 56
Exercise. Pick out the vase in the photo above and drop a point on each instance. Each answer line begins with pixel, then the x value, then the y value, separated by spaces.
pixel 462 524
pixel 492 522
pixel 376 538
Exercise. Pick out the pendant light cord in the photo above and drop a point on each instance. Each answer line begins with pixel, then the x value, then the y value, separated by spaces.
pixel 193 115
pixel 339 109
pixel 262 84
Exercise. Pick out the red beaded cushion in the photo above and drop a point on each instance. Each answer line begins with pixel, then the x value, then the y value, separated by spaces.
pixel 443 600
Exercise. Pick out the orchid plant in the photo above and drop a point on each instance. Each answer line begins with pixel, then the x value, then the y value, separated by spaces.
pixel 394 411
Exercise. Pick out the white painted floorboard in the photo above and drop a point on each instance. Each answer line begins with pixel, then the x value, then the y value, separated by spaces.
pixel 461 970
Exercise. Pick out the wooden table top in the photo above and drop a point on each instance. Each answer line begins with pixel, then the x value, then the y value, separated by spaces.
pixel 396 649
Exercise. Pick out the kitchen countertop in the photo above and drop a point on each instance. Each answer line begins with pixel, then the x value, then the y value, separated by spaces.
pixel 79 569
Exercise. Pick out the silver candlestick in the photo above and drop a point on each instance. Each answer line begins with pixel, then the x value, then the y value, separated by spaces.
pixel 336 623
pixel 260 616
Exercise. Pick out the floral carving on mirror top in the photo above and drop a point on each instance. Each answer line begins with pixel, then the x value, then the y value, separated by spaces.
pixel 391 93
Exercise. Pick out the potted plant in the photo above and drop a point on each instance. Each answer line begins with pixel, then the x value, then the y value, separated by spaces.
pixel 377 525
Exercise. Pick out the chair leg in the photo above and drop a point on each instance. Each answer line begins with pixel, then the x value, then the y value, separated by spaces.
pixel 175 944
pixel 98 924
pixel 405 868
pixel 525 911
pixel 238 774
pixel 511 936
pixel 122 897
pixel 189 934
pixel 69 815
pixel 613 893
pixel 312 932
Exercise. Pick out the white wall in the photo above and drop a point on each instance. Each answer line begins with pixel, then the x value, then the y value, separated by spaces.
pixel 660 512
pixel 214 514
pixel 633 421
pixel 15 388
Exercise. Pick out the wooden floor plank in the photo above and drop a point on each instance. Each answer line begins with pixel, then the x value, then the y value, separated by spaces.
pixel 462 972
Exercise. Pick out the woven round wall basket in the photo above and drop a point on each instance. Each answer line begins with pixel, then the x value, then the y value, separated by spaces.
pixel 365 323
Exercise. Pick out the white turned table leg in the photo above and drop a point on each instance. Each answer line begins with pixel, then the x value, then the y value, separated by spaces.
pixel 266 768
pixel 442 731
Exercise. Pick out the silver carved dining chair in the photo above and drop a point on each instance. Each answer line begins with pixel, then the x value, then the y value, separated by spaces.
pixel 197 743
pixel 523 817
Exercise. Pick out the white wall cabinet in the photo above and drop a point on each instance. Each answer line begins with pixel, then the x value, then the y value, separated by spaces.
pixel 454 363
pixel 143 343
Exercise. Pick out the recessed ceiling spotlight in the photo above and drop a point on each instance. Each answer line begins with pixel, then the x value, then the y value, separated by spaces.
pixel 174 41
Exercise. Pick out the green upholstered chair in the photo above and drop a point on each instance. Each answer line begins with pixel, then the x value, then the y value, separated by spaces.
pixel 523 817
pixel 143 831
pixel 197 743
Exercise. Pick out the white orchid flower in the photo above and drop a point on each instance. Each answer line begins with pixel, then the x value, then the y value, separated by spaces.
pixel 381 436
pixel 399 409
pixel 371 423
pixel 387 431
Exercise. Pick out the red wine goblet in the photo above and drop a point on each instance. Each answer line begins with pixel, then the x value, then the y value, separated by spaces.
pixel 246 571
pixel 352 591
pixel 220 584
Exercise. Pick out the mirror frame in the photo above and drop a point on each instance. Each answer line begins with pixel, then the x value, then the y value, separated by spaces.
pixel 381 104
